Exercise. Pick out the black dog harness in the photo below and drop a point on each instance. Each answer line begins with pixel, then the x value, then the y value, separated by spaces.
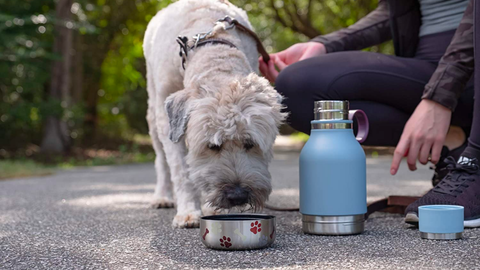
pixel 203 39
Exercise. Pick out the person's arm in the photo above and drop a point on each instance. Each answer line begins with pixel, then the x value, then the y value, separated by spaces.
pixel 371 30
pixel 427 128
pixel 456 66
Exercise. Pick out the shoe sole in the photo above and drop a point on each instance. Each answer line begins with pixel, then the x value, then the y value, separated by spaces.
pixel 474 223
pixel 412 218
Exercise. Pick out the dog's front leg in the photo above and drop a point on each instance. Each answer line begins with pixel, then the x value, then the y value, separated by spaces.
pixel 187 201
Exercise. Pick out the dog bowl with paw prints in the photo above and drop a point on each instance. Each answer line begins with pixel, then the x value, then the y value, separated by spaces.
pixel 237 231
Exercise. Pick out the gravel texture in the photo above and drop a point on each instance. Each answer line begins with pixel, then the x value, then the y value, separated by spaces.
pixel 98 218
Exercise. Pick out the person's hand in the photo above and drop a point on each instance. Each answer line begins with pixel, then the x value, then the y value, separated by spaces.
pixel 425 131
pixel 293 54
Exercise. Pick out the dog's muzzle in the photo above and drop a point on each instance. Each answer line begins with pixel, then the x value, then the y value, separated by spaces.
pixel 236 195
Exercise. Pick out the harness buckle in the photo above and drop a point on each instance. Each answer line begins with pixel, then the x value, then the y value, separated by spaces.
pixel 231 22
pixel 183 40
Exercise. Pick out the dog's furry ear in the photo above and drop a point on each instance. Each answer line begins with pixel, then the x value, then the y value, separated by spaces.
pixel 178 113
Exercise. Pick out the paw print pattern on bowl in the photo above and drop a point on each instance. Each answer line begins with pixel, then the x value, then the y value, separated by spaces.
pixel 225 242
pixel 256 227
pixel 238 231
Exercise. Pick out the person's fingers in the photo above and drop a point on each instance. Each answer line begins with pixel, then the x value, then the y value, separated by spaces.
pixel 399 153
pixel 425 152
pixel 307 54
pixel 436 151
pixel 280 64
pixel 265 71
pixel 280 55
pixel 263 68
pixel 273 73
pixel 413 153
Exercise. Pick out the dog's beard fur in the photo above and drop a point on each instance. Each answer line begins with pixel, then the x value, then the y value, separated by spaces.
pixel 216 173
pixel 247 113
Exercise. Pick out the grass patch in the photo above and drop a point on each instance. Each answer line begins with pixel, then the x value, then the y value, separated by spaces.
pixel 46 165
pixel 34 163
pixel 22 168
pixel 99 157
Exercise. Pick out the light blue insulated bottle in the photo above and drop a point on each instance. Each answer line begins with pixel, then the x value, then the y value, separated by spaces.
pixel 333 185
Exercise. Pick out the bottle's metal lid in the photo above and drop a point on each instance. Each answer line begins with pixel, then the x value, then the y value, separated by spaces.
pixel 331 110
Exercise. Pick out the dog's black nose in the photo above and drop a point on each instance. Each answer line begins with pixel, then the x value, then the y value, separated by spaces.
pixel 237 196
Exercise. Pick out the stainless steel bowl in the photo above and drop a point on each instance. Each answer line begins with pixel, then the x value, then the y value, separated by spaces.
pixel 237 231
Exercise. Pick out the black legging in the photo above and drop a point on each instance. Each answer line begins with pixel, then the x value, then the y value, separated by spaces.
pixel 474 139
pixel 387 88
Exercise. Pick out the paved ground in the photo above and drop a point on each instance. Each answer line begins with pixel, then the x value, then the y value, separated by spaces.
pixel 98 218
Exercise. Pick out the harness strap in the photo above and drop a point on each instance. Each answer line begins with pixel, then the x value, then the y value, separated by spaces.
pixel 213 41
pixel 203 39
pixel 249 32
pixel 184 48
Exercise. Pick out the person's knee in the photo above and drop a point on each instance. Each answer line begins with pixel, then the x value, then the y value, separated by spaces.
pixel 285 82
pixel 298 97
pixel 302 80
pixel 291 88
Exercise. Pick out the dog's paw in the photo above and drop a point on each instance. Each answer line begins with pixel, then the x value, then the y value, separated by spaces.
pixel 190 220
pixel 162 203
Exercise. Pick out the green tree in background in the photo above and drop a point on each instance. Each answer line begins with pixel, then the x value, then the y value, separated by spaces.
pixel 81 62
pixel 25 57
pixel 56 138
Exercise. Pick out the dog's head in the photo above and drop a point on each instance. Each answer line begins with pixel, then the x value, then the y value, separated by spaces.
pixel 229 133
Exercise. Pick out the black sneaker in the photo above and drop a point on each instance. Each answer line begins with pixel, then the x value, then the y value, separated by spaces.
pixel 461 186
pixel 441 167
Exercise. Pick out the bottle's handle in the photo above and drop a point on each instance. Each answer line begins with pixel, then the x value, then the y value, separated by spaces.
pixel 362 121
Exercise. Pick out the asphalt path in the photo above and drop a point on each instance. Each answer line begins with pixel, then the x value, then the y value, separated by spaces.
pixel 98 218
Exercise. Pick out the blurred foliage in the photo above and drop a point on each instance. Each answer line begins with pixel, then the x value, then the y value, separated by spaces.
pixel 108 89
pixel 25 42
pixel 326 16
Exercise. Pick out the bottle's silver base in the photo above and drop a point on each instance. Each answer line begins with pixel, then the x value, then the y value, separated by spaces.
pixel 333 225
pixel 441 236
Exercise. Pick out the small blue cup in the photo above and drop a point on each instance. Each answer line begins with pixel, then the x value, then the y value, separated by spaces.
pixel 441 222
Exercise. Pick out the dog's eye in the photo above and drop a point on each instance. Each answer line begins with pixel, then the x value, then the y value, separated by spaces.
pixel 214 147
pixel 249 145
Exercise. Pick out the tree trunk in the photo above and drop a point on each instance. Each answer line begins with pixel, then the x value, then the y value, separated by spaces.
pixel 77 69
pixel 56 138
pixel 91 115
pixel 93 57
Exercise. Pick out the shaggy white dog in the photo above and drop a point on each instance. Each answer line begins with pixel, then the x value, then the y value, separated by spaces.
pixel 213 124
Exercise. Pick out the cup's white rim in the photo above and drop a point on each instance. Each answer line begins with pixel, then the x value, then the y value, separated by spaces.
pixel 441 207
